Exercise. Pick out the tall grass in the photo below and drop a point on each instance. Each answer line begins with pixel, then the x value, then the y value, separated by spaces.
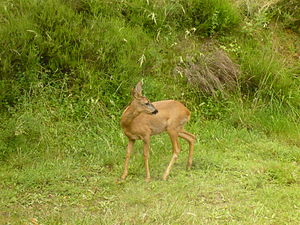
pixel 91 48
pixel 66 71
pixel 91 52
pixel 82 56
pixel 266 74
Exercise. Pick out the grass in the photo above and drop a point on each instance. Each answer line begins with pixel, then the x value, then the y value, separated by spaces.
pixel 66 70
pixel 238 177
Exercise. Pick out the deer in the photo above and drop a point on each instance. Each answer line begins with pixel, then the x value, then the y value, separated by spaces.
pixel 143 119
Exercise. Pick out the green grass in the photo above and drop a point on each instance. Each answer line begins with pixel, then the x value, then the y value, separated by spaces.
pixel 238 177
pixel 66 71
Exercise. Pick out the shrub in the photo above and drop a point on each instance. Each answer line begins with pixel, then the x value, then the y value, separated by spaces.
pixel 266 76
pixel 210 70
pixel 210 16
pixel 288 12
pixel 72 44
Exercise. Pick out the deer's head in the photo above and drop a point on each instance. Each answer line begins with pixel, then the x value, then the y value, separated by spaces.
pixel 140 102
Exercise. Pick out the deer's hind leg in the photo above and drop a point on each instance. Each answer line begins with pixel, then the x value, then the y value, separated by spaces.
pixel 190 138
pixel 176 149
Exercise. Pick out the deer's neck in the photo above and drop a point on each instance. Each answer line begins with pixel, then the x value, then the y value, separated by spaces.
pixel 128 115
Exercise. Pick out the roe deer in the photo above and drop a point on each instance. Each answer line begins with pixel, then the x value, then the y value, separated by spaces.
pixel 142 119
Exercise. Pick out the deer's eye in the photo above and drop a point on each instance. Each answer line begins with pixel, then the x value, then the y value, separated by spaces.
pixel 147 103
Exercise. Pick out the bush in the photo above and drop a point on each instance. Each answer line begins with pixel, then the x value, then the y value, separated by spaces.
pixel 288 12
pixel 68 45
pixel 210 16
pixel 210 70
pixel 266 76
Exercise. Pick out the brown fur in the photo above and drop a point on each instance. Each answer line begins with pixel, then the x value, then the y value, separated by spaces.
pixel 139 123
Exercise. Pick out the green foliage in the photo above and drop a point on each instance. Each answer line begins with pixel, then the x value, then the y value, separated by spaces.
pixel 210 17
pixel 66 71
pixel 52 44
pixel 265 74
pixel 262 13
pixel 288 12
pixel 85 55
pixel 93 47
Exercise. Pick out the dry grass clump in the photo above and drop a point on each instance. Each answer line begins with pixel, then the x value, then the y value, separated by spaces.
pixel 211 70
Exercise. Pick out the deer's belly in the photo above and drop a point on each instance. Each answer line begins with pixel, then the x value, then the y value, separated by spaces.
pixel 158 127
pixel 157 130
pixel 132 136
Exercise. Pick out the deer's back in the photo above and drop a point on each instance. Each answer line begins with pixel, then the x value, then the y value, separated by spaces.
pixel 171 108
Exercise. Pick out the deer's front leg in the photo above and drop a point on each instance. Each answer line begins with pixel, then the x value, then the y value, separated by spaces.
pixel 129 149
pixel 146 157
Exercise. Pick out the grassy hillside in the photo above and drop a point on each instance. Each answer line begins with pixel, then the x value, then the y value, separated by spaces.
pixel 66 71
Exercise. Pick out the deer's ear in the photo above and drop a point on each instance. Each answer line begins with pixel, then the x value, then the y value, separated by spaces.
pixel 133 94
pixel 137 91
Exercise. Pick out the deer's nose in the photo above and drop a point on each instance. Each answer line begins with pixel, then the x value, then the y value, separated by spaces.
pixel 155 111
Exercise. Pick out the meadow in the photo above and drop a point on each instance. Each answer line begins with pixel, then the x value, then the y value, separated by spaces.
pixel 66 72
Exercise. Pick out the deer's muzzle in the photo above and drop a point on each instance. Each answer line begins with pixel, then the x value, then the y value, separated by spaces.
pixel 155 111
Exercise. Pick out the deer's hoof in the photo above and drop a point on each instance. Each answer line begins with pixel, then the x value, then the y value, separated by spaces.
pixel 165 177
pixel 123 177
pixel 119 181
